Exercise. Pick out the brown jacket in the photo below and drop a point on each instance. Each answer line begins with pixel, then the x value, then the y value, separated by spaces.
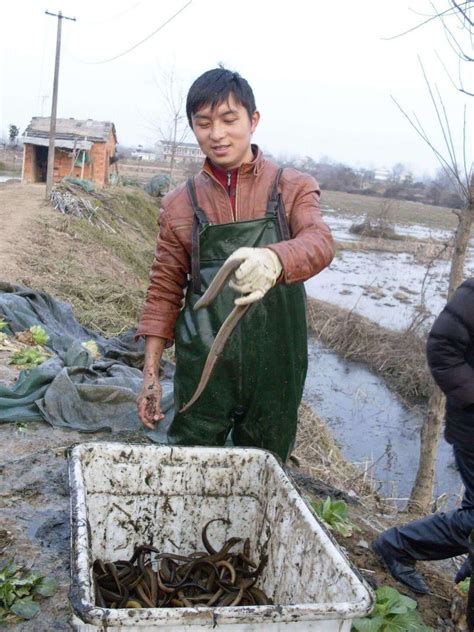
pixel 309 251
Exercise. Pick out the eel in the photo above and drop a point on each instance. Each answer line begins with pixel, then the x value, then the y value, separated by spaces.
pixel 218 578
pixel 226 329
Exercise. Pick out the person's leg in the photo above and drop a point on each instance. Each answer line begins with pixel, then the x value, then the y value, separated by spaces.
pixel 436 537
pixel 467 474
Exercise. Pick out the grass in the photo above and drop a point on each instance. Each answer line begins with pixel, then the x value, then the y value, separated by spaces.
pixel 100 268
pixel 402 212
pixel 320 457
pixel 397 356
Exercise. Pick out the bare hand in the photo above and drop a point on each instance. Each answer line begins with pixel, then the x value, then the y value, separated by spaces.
pixel 149 403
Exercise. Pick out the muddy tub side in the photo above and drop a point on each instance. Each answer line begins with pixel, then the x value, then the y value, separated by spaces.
pixel 123 496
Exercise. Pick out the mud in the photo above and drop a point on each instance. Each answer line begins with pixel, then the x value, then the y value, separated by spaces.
pixel 34 511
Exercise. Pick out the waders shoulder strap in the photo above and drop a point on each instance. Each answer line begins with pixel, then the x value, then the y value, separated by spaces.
pixel 275 207
pixel 199 220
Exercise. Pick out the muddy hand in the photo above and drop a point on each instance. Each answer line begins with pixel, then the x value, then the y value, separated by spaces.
pixel 149 404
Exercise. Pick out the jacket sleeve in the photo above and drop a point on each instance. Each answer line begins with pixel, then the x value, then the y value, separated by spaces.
pixel 449 341
pixel 168 277
pixel 311 248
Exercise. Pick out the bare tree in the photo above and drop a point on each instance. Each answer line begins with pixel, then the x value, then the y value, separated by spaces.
pixel 459 172
pixel 172 127
pixel 458 27
pixel 397 171
pixel 456 19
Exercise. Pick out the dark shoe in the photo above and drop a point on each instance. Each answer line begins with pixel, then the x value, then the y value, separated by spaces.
pixel 464 571
pixel 401 570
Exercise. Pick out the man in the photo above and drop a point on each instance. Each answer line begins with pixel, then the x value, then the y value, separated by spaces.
pixel 239 205
pixel 450 352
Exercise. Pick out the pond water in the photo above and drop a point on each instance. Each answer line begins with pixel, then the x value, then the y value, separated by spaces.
pixel 372 425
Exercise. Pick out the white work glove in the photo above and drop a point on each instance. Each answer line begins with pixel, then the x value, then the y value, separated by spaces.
pixel 256 275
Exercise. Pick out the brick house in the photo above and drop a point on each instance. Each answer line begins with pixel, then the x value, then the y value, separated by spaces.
pixel 83 149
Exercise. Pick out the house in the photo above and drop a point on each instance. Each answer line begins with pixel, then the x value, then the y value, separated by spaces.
pixel 83 149
pixel 382 174
pixel 143 154
pixel 183 152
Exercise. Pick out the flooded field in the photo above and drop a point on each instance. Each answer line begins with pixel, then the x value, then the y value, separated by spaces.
pixel 373 427
pixel 383 286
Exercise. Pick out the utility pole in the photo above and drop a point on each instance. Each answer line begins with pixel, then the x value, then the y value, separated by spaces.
pixel 54 106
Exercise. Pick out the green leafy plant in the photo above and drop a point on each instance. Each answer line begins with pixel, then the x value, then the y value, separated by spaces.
pixel 92 348
pixel 3 324
pixel 463 586
pixel 20 590
pixel 28 358
pixel 335 514
pixel 40 337
pixel 393 612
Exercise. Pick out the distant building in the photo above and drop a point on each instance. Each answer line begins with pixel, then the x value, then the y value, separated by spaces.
pixel 407 178
pixel 143 154
pixel 184 152
pixel 83 149
pixel 382 174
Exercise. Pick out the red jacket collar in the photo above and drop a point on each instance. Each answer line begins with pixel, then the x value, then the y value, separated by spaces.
pixel 247 167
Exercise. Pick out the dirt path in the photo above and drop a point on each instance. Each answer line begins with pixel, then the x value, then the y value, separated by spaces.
pixel 21 205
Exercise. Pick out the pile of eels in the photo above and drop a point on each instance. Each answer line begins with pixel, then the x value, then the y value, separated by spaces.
pixel 211 578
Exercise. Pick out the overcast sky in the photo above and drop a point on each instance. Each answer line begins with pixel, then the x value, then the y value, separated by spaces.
pixel 321 71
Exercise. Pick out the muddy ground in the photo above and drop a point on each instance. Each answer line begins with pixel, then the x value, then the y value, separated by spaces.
pixel 34 509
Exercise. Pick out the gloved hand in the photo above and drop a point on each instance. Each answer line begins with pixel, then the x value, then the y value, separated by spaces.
pixel 256 275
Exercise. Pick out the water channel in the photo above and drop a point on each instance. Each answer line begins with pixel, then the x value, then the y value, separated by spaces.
pixel 372 426
pixel 369 422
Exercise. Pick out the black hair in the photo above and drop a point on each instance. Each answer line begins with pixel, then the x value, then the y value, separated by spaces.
pixel 214 87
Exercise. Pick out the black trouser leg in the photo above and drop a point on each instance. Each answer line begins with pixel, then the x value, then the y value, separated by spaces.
pixel 440 535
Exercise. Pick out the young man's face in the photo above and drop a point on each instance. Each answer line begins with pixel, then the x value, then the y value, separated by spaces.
pixel 224 133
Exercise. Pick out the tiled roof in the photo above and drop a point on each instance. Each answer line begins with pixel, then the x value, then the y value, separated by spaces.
pixel 70 128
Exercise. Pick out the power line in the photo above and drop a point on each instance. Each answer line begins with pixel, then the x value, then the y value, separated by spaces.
pixel 129 50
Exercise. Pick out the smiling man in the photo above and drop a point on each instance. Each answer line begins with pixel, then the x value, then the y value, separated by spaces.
pixel 243 206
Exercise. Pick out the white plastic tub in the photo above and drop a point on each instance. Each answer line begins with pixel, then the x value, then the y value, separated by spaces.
pixel 123 496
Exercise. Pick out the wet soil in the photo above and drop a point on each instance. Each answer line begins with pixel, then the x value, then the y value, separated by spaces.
pixel 34 510
pixel 435 606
